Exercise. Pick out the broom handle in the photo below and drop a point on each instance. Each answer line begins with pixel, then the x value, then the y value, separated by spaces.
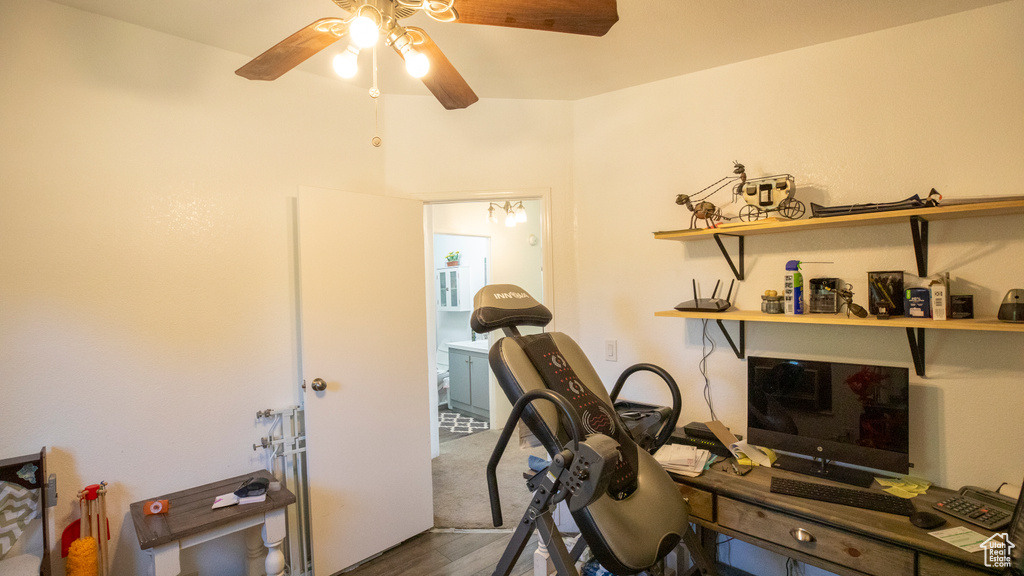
pixel 93 521
pixel 83 522
pixel 104 557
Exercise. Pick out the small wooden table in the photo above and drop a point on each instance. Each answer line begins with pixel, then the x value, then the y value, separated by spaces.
pixel 191 521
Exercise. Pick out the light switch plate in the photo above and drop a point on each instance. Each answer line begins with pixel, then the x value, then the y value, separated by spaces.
pixel 611 350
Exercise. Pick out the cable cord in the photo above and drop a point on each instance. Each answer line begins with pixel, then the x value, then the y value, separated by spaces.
pixel 705 353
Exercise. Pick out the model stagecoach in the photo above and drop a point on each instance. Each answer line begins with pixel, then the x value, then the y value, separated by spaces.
pixel 770 194
pixel 761 196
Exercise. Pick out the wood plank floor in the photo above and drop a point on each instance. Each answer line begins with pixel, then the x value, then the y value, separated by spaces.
pixel 447 554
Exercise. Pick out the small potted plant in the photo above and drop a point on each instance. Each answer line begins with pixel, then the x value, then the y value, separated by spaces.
pixel 452 258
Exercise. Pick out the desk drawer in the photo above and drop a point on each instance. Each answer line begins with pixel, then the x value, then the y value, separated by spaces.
pixel 831 544
pixel 932 566
pixel 702 502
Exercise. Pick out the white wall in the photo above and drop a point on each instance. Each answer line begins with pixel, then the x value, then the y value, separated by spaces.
pixel 494 145
pixel 872 118
pixel 147 281
pixel 146 276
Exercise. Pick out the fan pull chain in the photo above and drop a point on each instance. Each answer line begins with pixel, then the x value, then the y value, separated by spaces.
pixel 375 94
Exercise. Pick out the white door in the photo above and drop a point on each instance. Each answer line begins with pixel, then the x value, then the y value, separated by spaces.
pixel 364 333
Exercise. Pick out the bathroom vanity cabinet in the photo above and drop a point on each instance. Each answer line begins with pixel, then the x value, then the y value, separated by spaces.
pixel 469 391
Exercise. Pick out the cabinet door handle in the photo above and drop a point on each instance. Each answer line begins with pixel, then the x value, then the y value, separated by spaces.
pixel 802 535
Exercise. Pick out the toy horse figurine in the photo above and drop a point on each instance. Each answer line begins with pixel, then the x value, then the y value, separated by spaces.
pixel 704 210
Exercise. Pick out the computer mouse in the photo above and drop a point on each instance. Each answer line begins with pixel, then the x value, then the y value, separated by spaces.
pixel 926 520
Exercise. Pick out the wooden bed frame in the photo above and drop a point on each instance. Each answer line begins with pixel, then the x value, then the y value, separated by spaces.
pixel 9 468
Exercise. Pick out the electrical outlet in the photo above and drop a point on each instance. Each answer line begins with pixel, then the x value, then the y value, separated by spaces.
pixel 611 350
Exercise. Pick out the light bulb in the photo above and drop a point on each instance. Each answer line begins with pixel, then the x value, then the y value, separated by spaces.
pixel 416 63
pixel 521 214
pixel 364 31
pixel 510 219
pixel 346 64
pixel 490 215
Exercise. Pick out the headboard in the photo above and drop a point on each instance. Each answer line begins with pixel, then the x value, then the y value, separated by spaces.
pixel 29 472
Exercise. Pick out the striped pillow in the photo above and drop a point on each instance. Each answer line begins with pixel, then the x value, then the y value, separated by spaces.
pixel 18 506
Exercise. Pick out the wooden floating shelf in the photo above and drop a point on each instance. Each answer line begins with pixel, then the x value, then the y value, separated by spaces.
pixel 918 219
pixel 979 324
pixel 915 327
pixel 774 225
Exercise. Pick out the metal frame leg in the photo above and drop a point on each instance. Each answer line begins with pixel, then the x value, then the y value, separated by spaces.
pixel 703 563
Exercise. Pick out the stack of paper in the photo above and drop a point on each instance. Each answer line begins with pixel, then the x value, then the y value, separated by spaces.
pixel 905 487
pixel 682 459
pixel 230 500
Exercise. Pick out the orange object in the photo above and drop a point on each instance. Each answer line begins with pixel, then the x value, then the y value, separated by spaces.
pixel 156 507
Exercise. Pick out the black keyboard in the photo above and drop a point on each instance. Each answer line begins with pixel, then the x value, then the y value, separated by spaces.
pixel 845 496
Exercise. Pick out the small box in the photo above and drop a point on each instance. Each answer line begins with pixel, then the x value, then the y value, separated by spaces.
pixel 917 302
pixel 961 306
pixel 940 297
pixel 885 293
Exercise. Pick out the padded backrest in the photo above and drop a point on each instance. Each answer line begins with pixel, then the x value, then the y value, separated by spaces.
pixel 516 375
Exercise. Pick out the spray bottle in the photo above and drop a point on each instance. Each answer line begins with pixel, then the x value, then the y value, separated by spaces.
pixel 794 288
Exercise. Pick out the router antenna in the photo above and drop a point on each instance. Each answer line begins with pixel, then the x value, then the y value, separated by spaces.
pixel 728 298
pixel 695 292
pixel 715 291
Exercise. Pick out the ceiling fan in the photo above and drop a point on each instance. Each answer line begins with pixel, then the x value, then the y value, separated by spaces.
pixel 370 19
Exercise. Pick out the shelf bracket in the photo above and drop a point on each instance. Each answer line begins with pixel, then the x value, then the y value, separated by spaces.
pixel 737 272
pixel 917 349
pixel 919 230
pixel 741 350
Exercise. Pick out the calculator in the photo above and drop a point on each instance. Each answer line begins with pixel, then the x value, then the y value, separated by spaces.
pixel 980 507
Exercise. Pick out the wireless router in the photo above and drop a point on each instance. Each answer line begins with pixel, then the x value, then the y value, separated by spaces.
pixel 707 304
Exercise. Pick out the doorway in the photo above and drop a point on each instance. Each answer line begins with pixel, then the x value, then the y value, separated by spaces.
pixel 489 252
pixel 460 270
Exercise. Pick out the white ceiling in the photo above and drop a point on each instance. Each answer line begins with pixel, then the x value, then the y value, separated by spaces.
pixel 653 40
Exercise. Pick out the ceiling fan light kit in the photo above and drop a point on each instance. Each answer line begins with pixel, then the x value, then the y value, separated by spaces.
pixel 370 19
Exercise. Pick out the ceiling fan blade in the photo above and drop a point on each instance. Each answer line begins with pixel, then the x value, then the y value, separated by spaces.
pixel 294 50
pixel 590 17
pixel 443 80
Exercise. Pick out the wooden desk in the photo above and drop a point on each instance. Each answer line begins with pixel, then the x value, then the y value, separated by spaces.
pixel 191 521
pixel 848 541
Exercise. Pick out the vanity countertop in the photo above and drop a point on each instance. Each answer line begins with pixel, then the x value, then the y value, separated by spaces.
pixel 470 345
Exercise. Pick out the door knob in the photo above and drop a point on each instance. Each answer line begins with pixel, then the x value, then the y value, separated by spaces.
pixel 319 385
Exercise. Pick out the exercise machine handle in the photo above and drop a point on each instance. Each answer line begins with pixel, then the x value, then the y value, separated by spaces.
pixel 677 401
pixel 576 432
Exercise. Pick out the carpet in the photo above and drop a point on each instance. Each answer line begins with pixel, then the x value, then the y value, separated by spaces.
pixel 460 481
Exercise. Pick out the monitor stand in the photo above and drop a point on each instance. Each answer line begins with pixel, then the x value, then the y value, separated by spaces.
pixel 822 469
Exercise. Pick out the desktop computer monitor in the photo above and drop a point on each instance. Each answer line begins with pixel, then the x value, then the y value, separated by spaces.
pixel 833 412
